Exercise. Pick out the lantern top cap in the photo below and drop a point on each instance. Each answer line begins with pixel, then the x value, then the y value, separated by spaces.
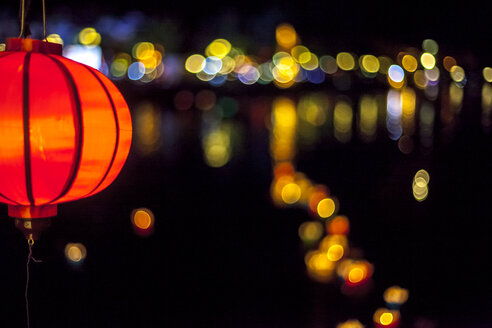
pixel 33 45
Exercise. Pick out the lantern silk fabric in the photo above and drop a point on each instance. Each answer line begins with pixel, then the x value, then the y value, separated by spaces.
pixel 65 130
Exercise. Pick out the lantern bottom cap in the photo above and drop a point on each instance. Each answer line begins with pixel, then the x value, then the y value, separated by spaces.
pixel 32 212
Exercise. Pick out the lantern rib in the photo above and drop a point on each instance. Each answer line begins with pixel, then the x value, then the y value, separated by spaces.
pixel 113 107
pixel 8 199
pixel 5 54
pixel 26 124
pixel 78 124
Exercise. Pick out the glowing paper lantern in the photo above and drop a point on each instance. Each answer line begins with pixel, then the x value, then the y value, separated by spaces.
pixel 65 129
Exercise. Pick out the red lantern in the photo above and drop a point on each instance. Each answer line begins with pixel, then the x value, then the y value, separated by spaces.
pixel 65 129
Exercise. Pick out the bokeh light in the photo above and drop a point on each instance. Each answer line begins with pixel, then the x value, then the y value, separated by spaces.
pixel 409 63
pixel 311 231
pixel 395 295
pixel 430 46
pixel 195 63
pixel 143 221
pixel 75 252
pixel 89 37
pixel 427 60
pixel 345 61
pixel 286 35
pixel 339 225
pixel 351 323
pixel 326 207
pixel 396 73
pixel 487 74
pixel 291 193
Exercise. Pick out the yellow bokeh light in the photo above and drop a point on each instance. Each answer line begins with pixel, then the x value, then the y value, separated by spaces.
pixel 487 74
pixel 298 51
pixel 342 120
pixel 218 48
pixel 368 117
pixel 326 208
pixel 309 61
pixel 395 295
pixel 143 50
pixel 195 63
pixel 409 63
pixel 419 185
pixel 75 252
pixel 335 252
pixel 420 79
pixel 457 73
pixel 89 37
pixel 422 174
pixel 310 231
pixel 345 61
pixel 217 146
pixel 427 60
pixel 318 262
pixel 386 318
pixel 228 65
pixel 54 38
pixel 356 274
pixel 352 323
pixel 330 240
pixel 286 35
pixel 370 63
pixel 283 60
pixel 291 193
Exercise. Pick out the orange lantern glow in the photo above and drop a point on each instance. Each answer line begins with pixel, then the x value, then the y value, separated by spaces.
pixel 65 129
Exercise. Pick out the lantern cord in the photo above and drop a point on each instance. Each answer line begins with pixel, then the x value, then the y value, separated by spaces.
pixel 44 20
pixel 30 243
pixel 22 17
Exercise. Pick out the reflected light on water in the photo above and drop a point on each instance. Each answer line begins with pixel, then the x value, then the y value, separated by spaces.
pixel 75 252
pixel 142 221
pixel 420 185
pixel 352 323
pixel 310 232
pixel 342 121
pixel 386 318
pixel 335 252
pixel 395 296
pixel 291 193
pixel 326 208
pixel 368 118
pixel 147 128
pixel 486 117
pixel 394 113
pixel 409 63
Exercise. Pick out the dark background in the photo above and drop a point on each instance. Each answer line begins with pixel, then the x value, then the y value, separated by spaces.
pixel 221 254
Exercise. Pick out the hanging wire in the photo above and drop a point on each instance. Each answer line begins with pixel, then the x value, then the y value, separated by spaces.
pixel 23 14
pixel 22 18
pixel 44 21
pixel 30 243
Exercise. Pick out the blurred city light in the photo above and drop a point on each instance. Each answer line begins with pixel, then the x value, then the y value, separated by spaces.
pixel 75 252
pixel 143 222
